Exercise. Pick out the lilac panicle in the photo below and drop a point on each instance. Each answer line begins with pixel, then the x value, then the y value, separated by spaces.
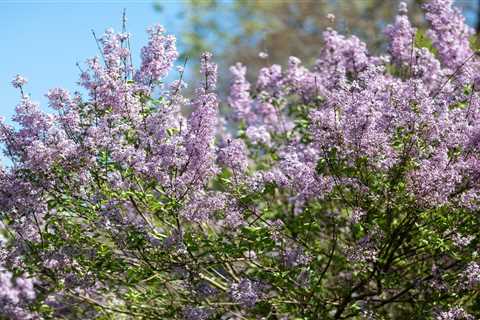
pixel 449 32
pixel 15 296
pixel 245 292
pixel 157 57
pixel 196 313
pixel 455 313
pixel 202 129
pixel 401 36
pixel 19 81
pixel 239 98
pixel 233 154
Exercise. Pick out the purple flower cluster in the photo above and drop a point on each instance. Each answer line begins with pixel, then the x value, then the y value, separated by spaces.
pixel 15 294
pixel 471 275
pixel 401 36
pixel 19 81
pixel 245 292
pixel 158 56
pixel 455 313
pixel 194 313
pixel 449 33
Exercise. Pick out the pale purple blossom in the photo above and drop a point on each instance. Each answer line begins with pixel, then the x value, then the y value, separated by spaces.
pixel 455 313
pixel 401 38
pixel 449 32
pixel 19 81
pixel 245 293
pixel 471 275
pixel 158 56
pixel 233 154
pixel 263 55
pixel 196 313
pixel 331 17
pixel 15 295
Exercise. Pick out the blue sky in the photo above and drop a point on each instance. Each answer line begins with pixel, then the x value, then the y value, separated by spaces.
pixel 42 40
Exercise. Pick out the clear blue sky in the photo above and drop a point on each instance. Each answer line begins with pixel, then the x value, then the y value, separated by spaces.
pixel 42 40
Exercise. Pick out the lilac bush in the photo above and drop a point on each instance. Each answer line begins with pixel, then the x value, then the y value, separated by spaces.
pixel 345 190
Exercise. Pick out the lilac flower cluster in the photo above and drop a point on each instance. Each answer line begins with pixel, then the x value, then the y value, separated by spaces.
pixel 19 81
pixel 192 313
pixel 449 33
pixel 401 37
pixel 245 292
pixel 472 275
pixel 158 56
pixel 15 295
pixel 456 313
